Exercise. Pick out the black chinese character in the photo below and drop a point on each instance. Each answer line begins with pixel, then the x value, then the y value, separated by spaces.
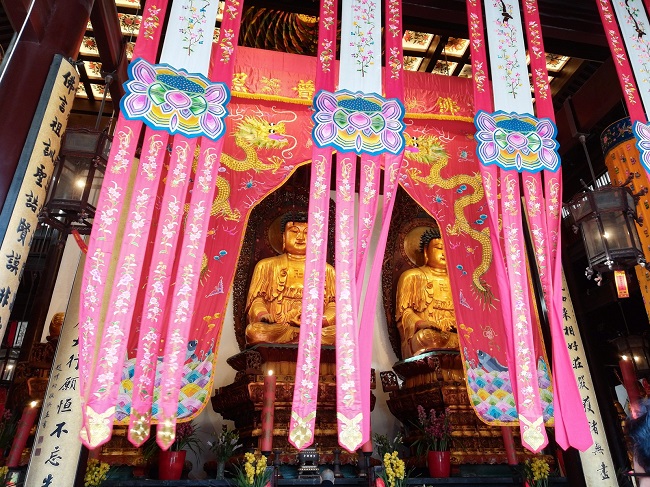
pixel 577 364
pixel 13 262
pixel 5 292
pixel 58 431
pixel 75 342
pixel 23 230
pixel 32 200
pixel 582 384
pixel 598 449
pixel 573 345
pixel 40 175
pixel 63 104
pixel 48 151
pixel 603 471
pixel 568 330
pixel 594 426
pixel 586 404
pixel 54 456
pixel 56 126
pixel 68 81
pixel 70 383
pixel 75 360
pixel 47 481
pixel 64 406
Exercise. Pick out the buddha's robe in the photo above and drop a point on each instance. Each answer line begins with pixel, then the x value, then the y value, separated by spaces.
pixel 425 311
pixel 276 288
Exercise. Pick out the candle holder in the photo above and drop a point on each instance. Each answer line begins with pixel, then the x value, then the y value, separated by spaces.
pixel 361 464
pixel 337 463
pixel 277 461
pixel 366 462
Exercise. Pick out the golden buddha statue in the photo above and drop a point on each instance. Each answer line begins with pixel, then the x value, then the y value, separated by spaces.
pixel 274 303
pixel 424 306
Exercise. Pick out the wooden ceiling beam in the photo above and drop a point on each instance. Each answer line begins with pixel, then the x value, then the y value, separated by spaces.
pixel 110 44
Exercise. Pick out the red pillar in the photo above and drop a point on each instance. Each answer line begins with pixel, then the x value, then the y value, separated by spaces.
pixel 25 424
pixel 53 27
pixel 509 445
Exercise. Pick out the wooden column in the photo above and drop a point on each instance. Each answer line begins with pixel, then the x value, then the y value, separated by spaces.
pixel 53 27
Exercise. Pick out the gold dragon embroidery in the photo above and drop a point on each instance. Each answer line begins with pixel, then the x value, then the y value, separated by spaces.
pixel 252 133
pixel 430 150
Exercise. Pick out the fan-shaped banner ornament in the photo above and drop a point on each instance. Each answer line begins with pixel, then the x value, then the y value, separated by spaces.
pixel 516 141
pixel 358 122
pixel 642 133
pixel 175 101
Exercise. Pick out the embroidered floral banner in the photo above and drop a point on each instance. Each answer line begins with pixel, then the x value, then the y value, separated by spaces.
pixel 265 141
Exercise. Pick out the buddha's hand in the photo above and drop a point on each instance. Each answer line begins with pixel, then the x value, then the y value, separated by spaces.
pixel 265 318
pixel 424 325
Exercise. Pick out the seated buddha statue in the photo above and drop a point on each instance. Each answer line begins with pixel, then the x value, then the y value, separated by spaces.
pixel 274 303
pixel 424 306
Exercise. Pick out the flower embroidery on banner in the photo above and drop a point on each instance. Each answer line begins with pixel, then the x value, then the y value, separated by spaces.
pixel 151 22
pixel 363 21
pixel 358 122
pixel 511 70
pixel 175 101
pixel 514 141
pixel 195 20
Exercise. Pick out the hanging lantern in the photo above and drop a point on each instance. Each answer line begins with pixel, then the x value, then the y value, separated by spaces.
pixel 606 217
pixel 77 180
pixel 78 176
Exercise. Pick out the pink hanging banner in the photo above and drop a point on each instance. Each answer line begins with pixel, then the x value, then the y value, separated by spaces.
pixel 100 406
pixel 109 207
pixel 158 284
pixel 394 88
pixel 348 401
pixel 571 426
pixel 531 423
pixel 368 201
pixel 305 394
pixel 621 62
pixel 190 252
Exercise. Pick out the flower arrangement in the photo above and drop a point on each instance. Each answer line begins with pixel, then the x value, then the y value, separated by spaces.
pixel 254 472
pixel 96 473
pixel 8 426
pixel 535 471
pixel 435 431
pixel 386 445
pixel 187 438
pixel 394 472
pixel 225 444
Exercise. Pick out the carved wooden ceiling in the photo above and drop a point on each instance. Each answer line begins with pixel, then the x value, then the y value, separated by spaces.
pixel 435 40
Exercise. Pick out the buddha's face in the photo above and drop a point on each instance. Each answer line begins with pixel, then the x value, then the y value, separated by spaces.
pixel 295 238
pixel 435 254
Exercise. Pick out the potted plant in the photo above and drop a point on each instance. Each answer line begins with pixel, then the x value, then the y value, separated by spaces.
pixel 535 472
pixel 171 461
pixel 224 446
pixel 254 472
pixel 96 473
pixel 394 472
pixel 435 439
pixel 8 425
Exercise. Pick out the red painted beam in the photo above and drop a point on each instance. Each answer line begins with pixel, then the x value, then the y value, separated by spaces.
pixel 60 26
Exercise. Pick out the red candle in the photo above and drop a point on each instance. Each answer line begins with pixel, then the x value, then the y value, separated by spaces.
pixel 631 385
pixel 23 428
pixel 367 447
pixel 268 412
